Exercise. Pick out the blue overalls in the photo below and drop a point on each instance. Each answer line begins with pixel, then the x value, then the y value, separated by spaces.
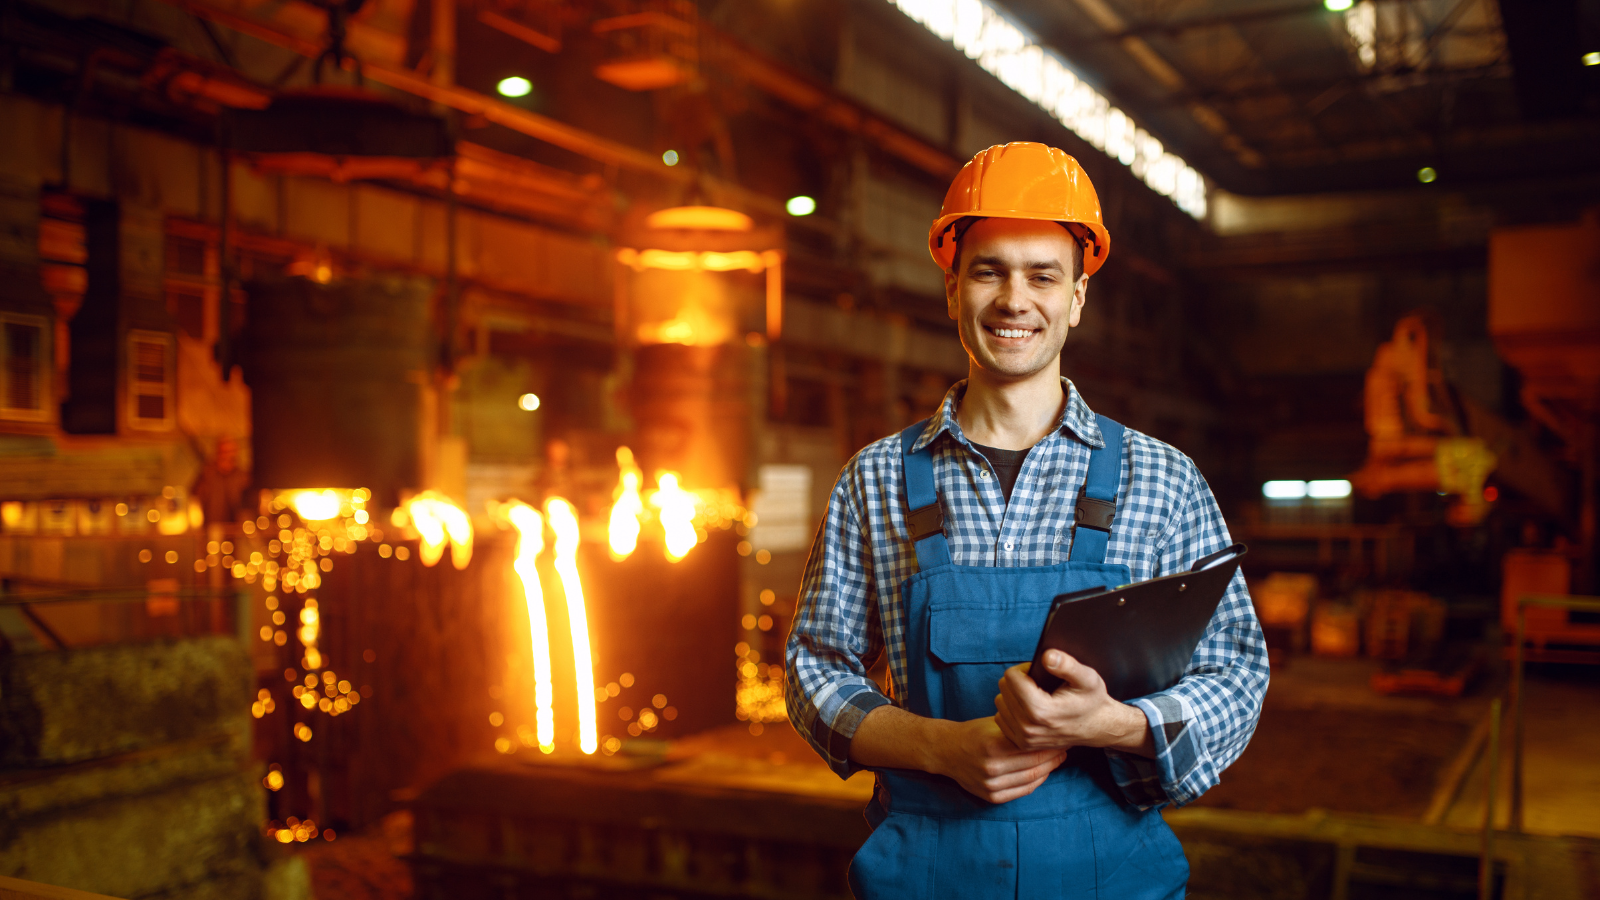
pixel 1074 836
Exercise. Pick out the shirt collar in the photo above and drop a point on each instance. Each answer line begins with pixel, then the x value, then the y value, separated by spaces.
pixel 1076 417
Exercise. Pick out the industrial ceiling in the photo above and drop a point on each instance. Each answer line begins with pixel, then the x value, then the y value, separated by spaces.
pixel 1290 96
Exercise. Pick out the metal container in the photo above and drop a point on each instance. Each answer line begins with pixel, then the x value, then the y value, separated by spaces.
pixel 336 373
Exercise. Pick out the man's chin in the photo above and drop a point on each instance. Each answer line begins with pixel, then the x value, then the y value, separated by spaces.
pixel 1011 369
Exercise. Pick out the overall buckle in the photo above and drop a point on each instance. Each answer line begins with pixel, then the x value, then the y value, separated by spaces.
pixel 1096 514
pixel 926 521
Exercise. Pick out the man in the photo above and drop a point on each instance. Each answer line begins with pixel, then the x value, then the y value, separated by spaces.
pixel 943 547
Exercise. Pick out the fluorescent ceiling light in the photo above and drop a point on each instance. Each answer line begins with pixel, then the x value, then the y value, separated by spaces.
pixel 984 33
pixel 1284 490
pixel 1332 489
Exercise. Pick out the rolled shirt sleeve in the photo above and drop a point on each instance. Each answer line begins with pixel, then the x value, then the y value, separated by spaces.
pixel 836 637
pixel 1201 724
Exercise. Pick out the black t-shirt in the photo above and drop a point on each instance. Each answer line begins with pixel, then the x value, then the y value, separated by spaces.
pixel 1006 463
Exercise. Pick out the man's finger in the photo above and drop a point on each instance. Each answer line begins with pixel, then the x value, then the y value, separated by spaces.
pixel 1018 685
pixel 1015 770
pixel 1068 669
pixel 1005 720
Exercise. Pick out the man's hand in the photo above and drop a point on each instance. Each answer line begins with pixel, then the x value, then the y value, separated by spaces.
pixel 975 754
pixel 988 765
pixel 1079 714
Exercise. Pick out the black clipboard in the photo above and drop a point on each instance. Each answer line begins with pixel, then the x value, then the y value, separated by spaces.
pixel 1139 637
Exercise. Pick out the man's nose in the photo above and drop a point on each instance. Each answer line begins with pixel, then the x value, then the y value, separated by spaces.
pixel 1012 297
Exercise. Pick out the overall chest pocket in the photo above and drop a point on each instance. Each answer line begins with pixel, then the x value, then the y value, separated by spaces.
pixel 970 647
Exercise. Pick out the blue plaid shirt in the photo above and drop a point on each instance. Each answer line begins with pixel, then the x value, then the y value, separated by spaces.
pixel 850 609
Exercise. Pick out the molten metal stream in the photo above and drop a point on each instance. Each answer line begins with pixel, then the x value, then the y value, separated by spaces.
pixel 625 513
pixel 677 515
pixel 530 543
pixel 438 521
pixel 564 522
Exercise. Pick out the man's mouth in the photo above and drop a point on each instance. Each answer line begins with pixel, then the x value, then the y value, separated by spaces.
pixel 1010 332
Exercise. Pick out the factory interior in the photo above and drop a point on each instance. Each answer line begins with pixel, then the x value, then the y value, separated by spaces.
pixel 416 417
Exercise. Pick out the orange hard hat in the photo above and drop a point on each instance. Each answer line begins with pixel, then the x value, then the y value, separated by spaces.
pixel 1023 180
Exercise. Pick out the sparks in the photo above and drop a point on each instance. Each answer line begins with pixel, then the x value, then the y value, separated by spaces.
pixel 564 522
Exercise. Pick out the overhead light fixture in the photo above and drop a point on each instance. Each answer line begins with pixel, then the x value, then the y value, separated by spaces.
pixel 528 402
pixel 1592 58
pixel 704 218
pixel 670 157
pixel 1330 489
pixel 801 206
pixel 1427 175
pixel 1338 5
pixel 1284 490
pixel 515 86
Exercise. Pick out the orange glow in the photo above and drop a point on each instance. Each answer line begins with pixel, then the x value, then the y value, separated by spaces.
pixel 439 521
pixel 625 512
pixel 530 543
pixel 708 260
pixel 677 515
pixel 310 631
pixel 564 522
pixel 316 506
pixel 704 218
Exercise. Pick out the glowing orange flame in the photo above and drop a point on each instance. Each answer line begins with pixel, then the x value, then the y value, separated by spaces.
pixel 625 512
pixel 530 543
pixel 677 515
pixel 316 506
pixel 439 521
pixel 564 522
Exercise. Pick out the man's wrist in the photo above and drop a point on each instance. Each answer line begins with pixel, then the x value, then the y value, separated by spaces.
pixel 934 737
pixel 1128 730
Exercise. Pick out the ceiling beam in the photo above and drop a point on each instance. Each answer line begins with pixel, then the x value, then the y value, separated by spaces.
pixel 1388 80
pixel 1175 27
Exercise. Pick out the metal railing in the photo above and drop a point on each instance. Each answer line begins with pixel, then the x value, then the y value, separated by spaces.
pixel 18 608
pixel 1557 601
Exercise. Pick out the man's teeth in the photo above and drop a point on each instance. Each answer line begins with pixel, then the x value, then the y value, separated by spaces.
pixel 1012 332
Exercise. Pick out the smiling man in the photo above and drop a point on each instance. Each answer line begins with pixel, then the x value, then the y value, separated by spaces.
pixel 943 547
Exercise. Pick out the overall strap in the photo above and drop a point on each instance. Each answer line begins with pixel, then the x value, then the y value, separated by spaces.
pixel 925 518
pixel 1098 505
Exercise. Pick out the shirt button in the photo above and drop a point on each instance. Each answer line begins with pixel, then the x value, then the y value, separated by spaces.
pixel 983 473
pixel 1008 545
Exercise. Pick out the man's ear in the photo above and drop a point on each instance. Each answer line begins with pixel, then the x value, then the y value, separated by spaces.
pixel 1080 295
pixel 952 287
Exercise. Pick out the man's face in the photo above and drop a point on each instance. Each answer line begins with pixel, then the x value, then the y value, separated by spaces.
pixel 1014 297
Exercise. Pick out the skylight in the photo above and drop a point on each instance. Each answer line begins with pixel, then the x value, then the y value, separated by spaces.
pixel 1005 50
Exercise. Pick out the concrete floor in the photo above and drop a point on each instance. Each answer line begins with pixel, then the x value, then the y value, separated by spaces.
pixel 1561 765
pixel 1561 792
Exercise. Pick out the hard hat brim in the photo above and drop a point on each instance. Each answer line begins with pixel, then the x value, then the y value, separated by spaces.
pixel 942 246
